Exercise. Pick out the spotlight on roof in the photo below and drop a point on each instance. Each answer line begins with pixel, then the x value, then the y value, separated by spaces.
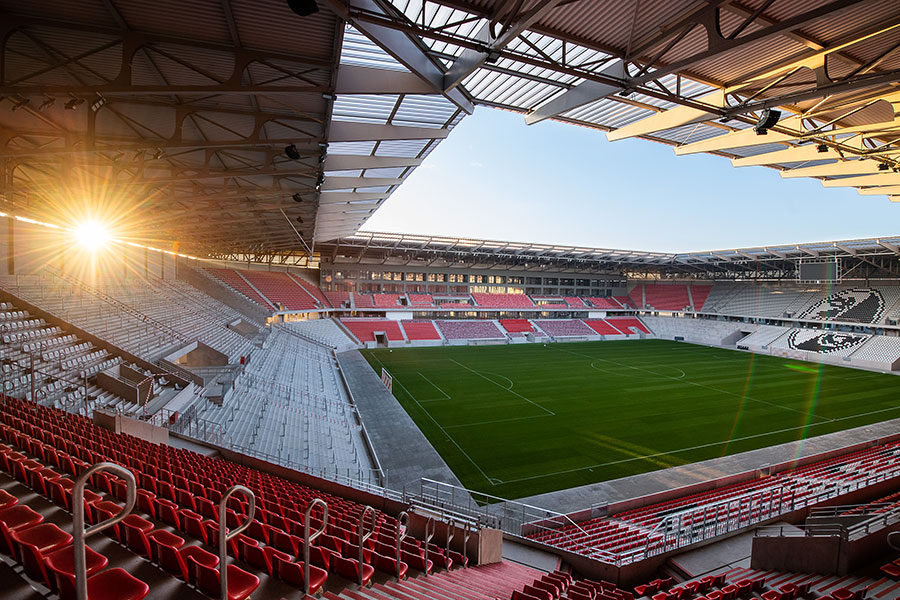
pixel 304 8
pixel 47 103
pixel 71 104
pixel 291 152
pixel 297 197
pixel 884 167
pixel 822 148
pixel 158 154
pixel 98 103
pixel 767 121
pixel 21 104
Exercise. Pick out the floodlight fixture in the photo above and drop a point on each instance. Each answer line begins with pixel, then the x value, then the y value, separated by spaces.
pixel 291 152
pixel 303 8
pixel 767 121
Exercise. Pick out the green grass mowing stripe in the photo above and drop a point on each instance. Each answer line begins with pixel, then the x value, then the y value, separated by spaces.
pixel 636 414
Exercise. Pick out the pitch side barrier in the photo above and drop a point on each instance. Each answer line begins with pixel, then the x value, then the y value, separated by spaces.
pixel 673 530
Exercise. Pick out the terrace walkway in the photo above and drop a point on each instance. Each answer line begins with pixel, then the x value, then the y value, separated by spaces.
pixel 404 452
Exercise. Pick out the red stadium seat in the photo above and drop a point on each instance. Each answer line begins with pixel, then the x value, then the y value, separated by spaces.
pixel 292 573
pixel 240 583
pixel 32 544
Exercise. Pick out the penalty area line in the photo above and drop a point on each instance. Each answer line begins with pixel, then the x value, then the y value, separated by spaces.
pixel 491 480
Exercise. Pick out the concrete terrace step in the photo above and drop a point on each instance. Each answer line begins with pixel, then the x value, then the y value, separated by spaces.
pixel 486 582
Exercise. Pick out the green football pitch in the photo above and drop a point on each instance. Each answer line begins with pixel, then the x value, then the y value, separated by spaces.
pixel 518 420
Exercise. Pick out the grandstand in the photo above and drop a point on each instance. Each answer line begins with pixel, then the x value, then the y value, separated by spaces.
pixel 206 357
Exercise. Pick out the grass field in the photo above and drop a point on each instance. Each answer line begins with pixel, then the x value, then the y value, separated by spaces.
pixel 520 420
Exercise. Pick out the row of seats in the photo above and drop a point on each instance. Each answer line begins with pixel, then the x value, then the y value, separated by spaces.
pixel 364 329
pixel 231 278
pixel 745 502
pixel 288 406
pixel 281 288
pixel 180 489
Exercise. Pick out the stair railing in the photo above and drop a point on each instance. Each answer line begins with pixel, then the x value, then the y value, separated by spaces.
pixel 402 532
pixel 364 536
pixel 225 536
pixel 430 526
pixel 451 532
pixel 79 533
pixel 308 539
pixel 465 549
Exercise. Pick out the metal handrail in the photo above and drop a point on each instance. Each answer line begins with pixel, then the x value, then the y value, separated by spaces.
pixel 430 526
pixel 451 524
pixel 364 537
pixel 467 532
pixel 79 533
pixel 225 535
pixel 402 520
pixel 308 539
pixel 893 540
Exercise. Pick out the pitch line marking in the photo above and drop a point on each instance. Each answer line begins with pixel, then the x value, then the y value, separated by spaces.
pixel 694 383
pixel 491 480
pixel 511 384
pixel 547 410
pixel 497 421
pixel 446 395
pixel 679 450
pixel 594 366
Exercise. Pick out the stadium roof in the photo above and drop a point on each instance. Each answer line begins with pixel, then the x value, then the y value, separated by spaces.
pixel 881 253
pixel 179 114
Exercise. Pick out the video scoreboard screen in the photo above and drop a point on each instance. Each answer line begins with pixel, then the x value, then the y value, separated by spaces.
pixel 820 271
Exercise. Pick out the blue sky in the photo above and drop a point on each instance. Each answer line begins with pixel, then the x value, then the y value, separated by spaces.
pixel 496 178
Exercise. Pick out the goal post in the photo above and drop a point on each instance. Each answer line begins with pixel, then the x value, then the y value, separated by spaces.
pixel 387 380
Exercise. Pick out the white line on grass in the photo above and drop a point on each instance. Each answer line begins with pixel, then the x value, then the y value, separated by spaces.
pixel 547 410
pixel 740 439
pixel 490 480
pixel 497 421
pixel 446 395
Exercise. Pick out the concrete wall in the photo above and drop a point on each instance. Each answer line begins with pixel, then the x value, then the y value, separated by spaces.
pixel 110 382
pixel 198 354
pixel 133 427
pixel 799 554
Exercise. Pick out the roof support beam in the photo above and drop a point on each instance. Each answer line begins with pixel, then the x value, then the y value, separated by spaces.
pixel 583 93
pixel 352 79
pixel 669 119
pixel 743 139
pixel 470 60
pixel 788 155
pixel 349 183
pixel 349 197
pixel 348 131
pixel 587 91
pixel 884 190
pixel 401 46
pixel 885 178
pixel 850 167
pixel 348 162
